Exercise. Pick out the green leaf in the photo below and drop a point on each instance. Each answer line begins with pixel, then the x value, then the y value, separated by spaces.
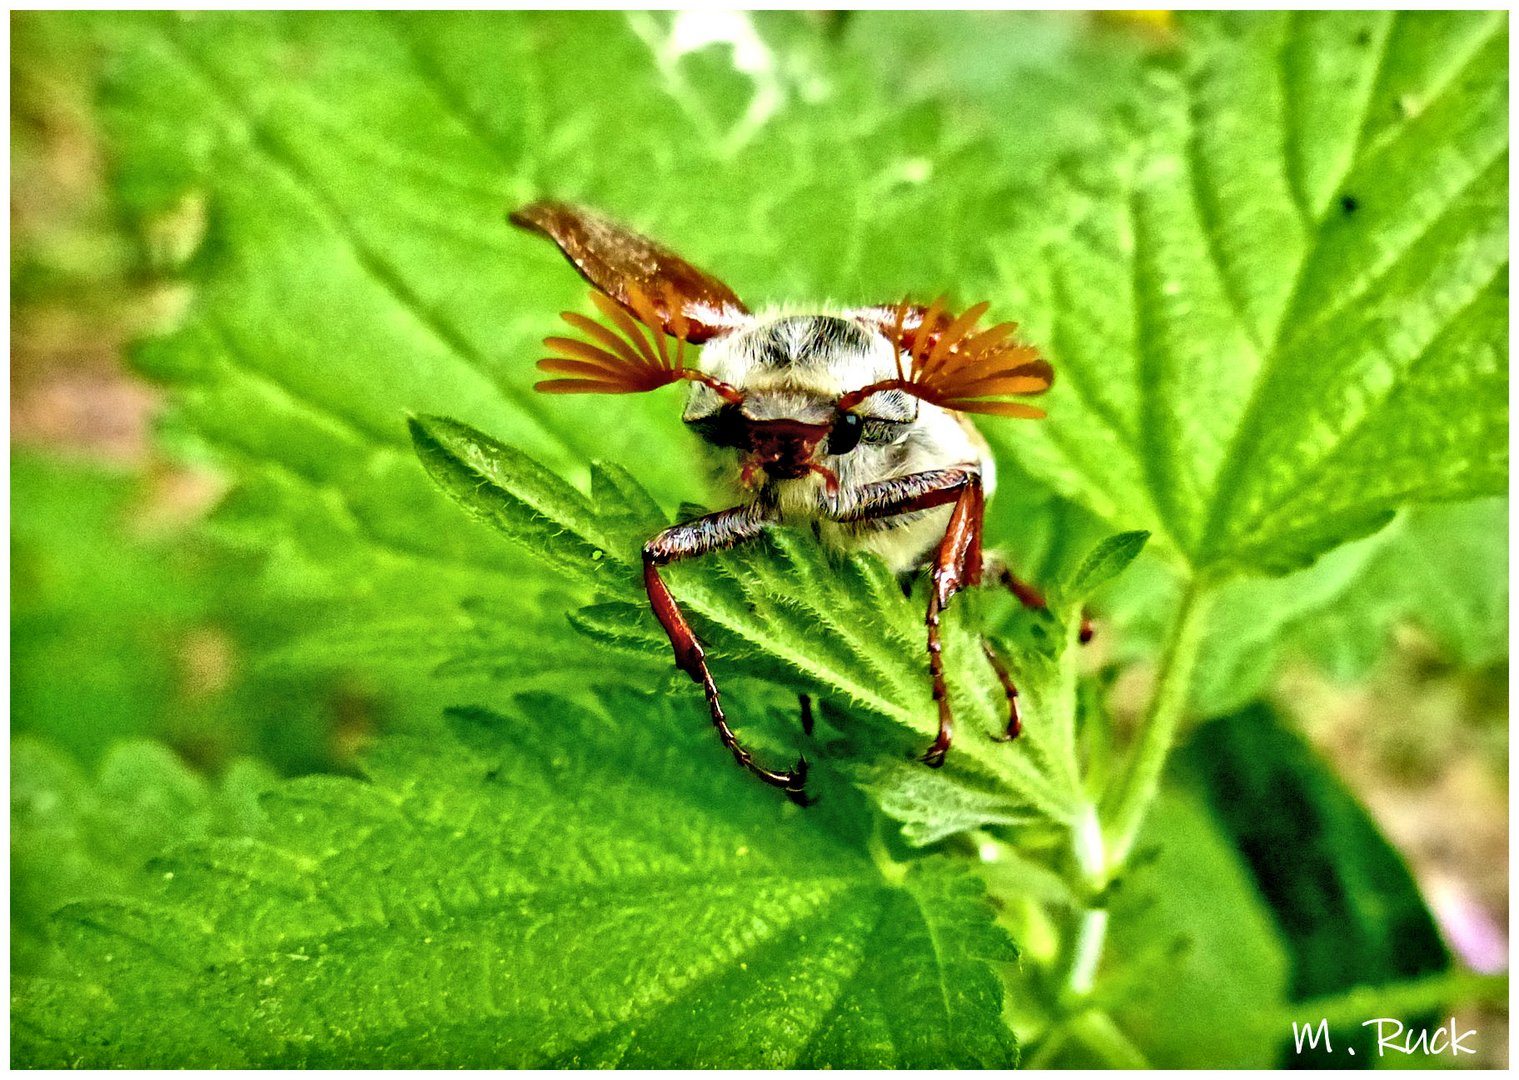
pixel 1443 569
pixel 76 836
pixel 1275 297
pixel 538 511
pixel 1344 903
pixel 1103 563
pixel 789 611
pixel 559 888
pixel 932 806
pixel 1194 954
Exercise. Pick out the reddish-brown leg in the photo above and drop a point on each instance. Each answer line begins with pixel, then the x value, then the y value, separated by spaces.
pixel 1032 598
pixel 714 532
pixel 1014 717
pixel 1027 595
pixel 956 562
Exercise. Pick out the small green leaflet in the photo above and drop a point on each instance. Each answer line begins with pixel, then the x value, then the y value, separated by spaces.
pixel 561 887
pixel 1102 564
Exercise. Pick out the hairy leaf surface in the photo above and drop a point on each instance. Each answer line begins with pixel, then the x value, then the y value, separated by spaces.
pixel 1276 297
pixel 77 836
pixel 787 610
pixel 565 887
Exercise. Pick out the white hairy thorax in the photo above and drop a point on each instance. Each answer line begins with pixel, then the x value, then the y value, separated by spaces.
pixel 795 367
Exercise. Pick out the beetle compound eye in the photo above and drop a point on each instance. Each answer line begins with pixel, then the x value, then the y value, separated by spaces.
pixel 726 427
pixel 845 435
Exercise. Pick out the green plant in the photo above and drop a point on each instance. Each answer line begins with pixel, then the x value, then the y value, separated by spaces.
pixel 1269 264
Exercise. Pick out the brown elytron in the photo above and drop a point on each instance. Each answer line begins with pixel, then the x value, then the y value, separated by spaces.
pixel 808 444
pixel 616 261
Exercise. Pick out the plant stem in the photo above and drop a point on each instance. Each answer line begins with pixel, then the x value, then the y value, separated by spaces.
pixel 1087 951
pixel 1137 789
pixel 1099 853
pixel 1088 844
pixel 1095 1030
pixel 1099 1032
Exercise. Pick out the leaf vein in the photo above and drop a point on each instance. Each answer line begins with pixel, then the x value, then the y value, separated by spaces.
pixel 1304 480
pixel 384 275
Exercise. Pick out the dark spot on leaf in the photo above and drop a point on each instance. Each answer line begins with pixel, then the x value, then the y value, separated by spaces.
pixel 1363 38
pixel 1350 204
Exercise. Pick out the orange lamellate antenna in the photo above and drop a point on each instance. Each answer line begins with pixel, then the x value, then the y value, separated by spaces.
pixel 897 333
pixel 956 368
pixel 631 356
